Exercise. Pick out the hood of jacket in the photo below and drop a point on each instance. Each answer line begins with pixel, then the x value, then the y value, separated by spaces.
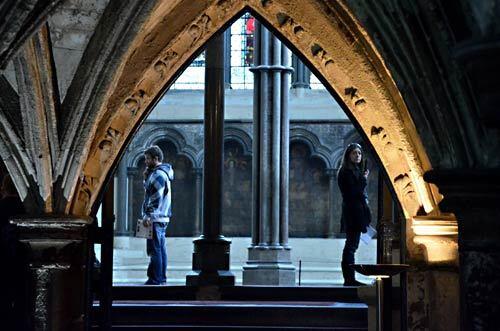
pixel 166 168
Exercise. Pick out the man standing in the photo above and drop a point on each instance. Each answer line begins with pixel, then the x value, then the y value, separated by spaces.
pixel 156 212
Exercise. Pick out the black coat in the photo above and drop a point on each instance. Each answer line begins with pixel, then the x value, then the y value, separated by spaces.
pixel 355 211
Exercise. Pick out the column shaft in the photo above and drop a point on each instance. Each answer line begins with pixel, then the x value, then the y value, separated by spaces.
pixel 198 201
pixel 301 76
pixel 214 138
pixel 285 147
pixel 276 140
pixel 131 173
pixel 332 184
pixel 269 261
pixel 211 250
pixel 256 146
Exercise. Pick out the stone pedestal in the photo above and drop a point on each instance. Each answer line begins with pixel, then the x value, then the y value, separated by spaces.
pixel 211 263
pixel 55 254
pixel 269 266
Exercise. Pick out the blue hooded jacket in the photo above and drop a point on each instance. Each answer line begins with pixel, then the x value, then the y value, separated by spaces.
pixel 157 205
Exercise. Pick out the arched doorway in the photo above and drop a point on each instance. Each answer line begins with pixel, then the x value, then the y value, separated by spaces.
pixel 358 79
pixel 393 138
pixel 380 113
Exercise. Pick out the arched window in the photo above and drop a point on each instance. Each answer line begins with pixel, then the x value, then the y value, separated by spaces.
pixel 308 193
pixel 237 191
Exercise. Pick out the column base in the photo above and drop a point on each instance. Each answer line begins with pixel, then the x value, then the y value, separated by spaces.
pixel 211 263
pixel 206 278
pixel 269 266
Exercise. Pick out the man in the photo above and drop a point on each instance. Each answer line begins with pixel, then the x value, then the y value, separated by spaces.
pixel 156 212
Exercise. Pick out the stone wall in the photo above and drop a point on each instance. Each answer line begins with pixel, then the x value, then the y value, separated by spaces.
pixel 315 153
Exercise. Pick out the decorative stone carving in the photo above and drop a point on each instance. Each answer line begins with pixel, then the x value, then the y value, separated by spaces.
pixel 200 28
pixel 108 145
pixel 286 22
pixel 135 101
pixel 322 55
pixel 87 187
pixel 404 186
pixel 161 66
pixel 357 100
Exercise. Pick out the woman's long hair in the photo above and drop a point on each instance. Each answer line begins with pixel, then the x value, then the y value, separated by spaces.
pixel 346 161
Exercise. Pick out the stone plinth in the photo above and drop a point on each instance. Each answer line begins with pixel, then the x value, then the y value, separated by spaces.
pixel 269 266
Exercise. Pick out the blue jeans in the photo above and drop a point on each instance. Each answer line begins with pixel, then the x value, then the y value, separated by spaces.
pixel 157 250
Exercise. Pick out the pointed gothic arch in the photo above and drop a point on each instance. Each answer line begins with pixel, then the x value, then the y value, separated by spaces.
pixel 333 43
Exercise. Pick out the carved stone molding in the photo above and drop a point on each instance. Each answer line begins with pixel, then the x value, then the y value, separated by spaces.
pixel 436 240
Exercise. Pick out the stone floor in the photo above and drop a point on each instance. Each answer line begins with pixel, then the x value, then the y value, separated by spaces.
pixel 319 257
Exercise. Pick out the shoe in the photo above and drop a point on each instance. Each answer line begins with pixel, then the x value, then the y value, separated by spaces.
pixel 150 282
pixel 354 283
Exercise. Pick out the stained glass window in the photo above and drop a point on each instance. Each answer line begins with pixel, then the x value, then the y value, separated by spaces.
pixel 242 46
pixel 241 59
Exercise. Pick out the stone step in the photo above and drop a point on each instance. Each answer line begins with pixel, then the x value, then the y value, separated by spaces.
pixel 162 315
pixel 239 308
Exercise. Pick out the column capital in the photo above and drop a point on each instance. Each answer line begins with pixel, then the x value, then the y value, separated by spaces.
pixel 197 171
pixel 57 253
pixel 469 186
pixel 275 67
pixel 330 172
pixel 132 171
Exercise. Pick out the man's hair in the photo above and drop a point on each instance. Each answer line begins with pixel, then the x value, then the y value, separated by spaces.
pixel 155 152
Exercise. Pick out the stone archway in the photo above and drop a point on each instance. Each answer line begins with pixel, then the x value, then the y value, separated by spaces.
pixel 334 43
pixel 325 34
pixel 166 38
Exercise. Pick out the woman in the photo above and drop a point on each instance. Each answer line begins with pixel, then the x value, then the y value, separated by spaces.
pixel 352 180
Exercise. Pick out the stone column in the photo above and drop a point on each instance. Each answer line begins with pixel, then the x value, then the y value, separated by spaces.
pixel 474 196
pixel 385 223
pixel 121 197
pixel 55 255
pixel 131 173
pixel 269 260
pixel 198 172
pixel 211 249
pixel 301 75
pixel 227 58
pixel 334 204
